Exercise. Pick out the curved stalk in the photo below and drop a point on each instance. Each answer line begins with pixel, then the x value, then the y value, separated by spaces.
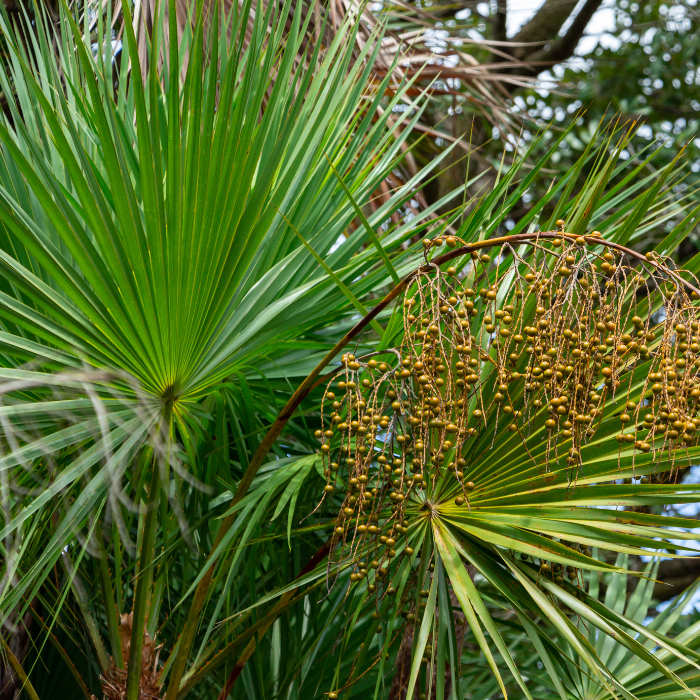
pixel 200 595
pixel 16 666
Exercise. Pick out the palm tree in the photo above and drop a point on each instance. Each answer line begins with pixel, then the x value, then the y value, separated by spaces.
pixel 177 260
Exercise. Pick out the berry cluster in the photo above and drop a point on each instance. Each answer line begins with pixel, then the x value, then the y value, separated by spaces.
pixel 553 337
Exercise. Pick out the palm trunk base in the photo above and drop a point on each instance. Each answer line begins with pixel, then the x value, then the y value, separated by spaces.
pixel 115 680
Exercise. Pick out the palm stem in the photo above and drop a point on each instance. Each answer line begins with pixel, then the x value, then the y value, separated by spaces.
pixel 144 576
pixel 110 603
pixel 143 588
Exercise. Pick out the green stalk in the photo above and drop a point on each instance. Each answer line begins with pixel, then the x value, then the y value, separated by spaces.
pixel 144 576
pixel 81 598
pixel 27 687
pixel 143 587
pixel 156 601
pixel 111 609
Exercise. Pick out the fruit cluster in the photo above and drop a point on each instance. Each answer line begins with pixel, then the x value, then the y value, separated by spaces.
pixel 555 336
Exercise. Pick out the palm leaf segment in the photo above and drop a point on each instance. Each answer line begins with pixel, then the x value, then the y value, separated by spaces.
pixel 636 678
pixel 164 228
